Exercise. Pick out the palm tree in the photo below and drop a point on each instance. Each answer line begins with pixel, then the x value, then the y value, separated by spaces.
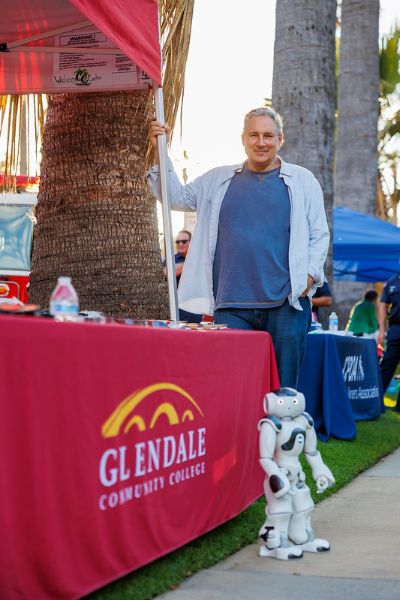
pixel 303 88
pixel 389 129
pixel 96 220
pixel 356 146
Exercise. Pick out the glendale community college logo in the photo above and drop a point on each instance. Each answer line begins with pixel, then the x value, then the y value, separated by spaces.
pixel 145 463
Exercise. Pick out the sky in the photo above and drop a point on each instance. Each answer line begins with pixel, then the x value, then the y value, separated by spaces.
pixel 229 72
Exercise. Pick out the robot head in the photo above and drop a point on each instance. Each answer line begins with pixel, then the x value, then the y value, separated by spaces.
pixel 284 402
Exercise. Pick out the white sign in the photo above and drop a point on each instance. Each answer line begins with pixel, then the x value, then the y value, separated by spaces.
pixel 93 70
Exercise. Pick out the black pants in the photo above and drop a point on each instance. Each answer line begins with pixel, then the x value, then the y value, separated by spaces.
pixel 388 365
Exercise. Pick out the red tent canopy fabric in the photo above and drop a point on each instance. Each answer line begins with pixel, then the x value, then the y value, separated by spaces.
pixel 132 25
pixel 79 27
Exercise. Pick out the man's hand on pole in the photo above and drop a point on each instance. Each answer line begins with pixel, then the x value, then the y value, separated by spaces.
pixel 156 129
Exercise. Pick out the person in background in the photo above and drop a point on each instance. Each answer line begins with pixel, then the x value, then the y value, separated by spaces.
pixel 260 243
pixel 321 298
pixel 182 243
pixel 182 246
pixel 389 311
pixel 362 318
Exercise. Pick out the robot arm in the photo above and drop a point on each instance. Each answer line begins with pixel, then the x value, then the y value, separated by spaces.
pixel 277 479
pixel 322 475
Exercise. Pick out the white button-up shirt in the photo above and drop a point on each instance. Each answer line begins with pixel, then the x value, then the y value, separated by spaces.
pixel 309 234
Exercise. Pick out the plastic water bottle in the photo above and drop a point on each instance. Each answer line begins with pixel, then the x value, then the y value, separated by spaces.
pixel 333 322
pixel 64 303
pixel 316 327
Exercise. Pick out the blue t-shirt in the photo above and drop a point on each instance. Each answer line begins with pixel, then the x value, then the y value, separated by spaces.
pixel 391 295
pixel 251 263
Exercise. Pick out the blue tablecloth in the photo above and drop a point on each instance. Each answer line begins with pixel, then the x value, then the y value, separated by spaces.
pixel 341 383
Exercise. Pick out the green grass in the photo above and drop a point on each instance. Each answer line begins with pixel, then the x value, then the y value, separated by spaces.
pixel 346 459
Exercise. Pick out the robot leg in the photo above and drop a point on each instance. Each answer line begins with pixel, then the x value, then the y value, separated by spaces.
pixel 274 531
pixel 300 530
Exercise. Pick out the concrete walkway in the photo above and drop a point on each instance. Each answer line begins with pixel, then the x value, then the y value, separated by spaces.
pixel 362 523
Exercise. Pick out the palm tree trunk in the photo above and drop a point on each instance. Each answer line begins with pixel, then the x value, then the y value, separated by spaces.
pixel 303 88
pixel 96 220
pixel 356 147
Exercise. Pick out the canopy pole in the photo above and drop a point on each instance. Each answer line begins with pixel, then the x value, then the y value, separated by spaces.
pixel 166 211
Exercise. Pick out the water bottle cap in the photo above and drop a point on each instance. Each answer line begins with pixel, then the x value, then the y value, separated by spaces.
pixel 64 279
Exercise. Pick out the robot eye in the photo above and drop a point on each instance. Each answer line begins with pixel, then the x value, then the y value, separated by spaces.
pixel 295 401
pixel 280 401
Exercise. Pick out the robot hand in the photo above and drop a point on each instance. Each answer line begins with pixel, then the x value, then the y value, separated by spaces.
pixel 322 475
pixel 323 483
pixel 279 484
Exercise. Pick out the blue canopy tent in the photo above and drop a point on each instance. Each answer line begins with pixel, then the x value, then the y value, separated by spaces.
pixel 364 248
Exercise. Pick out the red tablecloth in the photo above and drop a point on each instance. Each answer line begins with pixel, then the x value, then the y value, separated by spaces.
pixel 118 444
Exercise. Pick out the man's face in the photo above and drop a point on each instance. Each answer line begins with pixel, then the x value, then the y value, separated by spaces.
pixel 261 143
pixel 182 243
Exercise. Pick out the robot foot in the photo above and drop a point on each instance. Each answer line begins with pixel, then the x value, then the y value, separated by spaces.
pixel 282 553
pixel 317 545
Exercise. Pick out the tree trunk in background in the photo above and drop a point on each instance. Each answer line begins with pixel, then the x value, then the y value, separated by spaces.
pixel 356 146
pixel 96 220
pixel 303 88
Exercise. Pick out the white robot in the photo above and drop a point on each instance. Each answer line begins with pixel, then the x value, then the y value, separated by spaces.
pixel 285 432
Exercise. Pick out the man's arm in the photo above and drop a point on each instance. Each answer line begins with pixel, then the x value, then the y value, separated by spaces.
pixel 382 317
pixel 178 269
pixel 322 296
pixel 182 197
pixel 321 301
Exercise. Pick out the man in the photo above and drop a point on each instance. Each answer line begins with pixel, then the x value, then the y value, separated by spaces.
pixel 321 298
pixel 260 242
pixel 182 243
pixel 182 246
pixel 390 298
pixel 362 319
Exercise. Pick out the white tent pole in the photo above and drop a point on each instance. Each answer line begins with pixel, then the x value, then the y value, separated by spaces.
pixel 166 211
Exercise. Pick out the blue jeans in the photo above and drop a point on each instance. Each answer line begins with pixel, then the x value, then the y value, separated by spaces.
pixel 288 328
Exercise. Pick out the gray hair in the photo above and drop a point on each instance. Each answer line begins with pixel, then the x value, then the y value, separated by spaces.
pixel 264 111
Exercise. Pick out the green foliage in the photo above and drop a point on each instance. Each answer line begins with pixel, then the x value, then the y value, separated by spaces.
pixel 374 440
pixel 389 63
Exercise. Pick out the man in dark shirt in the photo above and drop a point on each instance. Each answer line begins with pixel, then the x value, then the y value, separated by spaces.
pixel 182 243
pixel 390 298
pixel 182 246
pixel 321 298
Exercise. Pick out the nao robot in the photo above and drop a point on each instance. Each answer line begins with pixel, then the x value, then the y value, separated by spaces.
pixel 285 432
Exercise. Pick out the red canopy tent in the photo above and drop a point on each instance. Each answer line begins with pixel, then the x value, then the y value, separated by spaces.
pixel 59 46
pixel 33 31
